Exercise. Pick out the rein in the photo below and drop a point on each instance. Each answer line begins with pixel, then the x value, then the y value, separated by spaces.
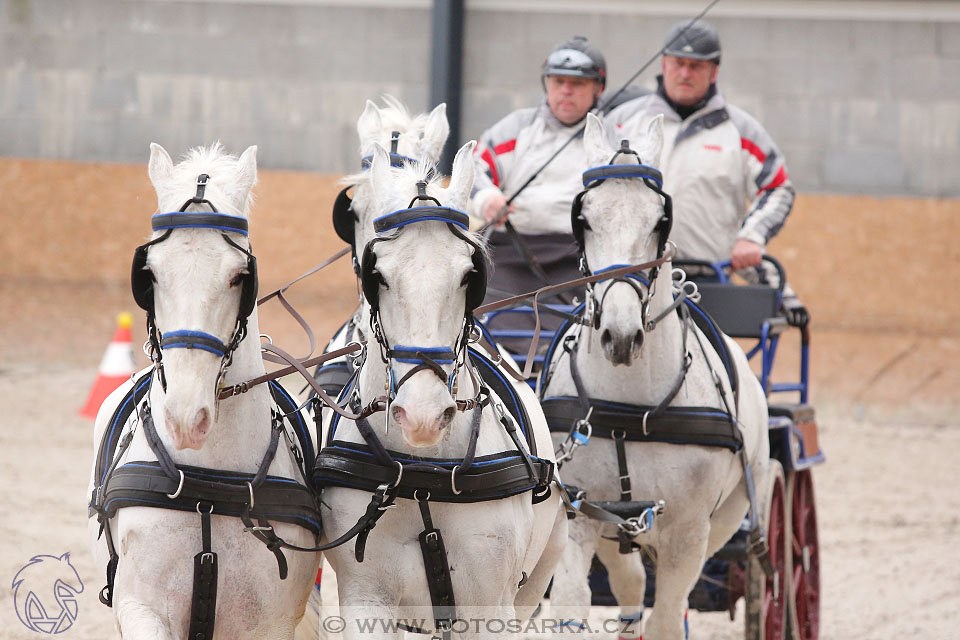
pixel 668 255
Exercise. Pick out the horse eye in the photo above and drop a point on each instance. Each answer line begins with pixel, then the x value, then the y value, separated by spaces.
pixel 380 280
pixel 237 279
pixel 466 278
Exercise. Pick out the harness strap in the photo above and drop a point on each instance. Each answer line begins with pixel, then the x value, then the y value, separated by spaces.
pixel 676 425
pixel 263 531
pixel 203 607
pixel 345 464
pixel 437 570
pixel 618 437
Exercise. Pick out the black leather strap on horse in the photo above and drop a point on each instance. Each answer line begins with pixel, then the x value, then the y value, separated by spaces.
pixel 203 606
pixel 437 570
pixel 491 477
pixel 613 273
pixel 146 484
pixel 677 425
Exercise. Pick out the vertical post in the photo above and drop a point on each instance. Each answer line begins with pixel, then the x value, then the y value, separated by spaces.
pixel 446 69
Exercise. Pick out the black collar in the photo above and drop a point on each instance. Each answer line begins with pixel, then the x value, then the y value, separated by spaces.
pixel 685 111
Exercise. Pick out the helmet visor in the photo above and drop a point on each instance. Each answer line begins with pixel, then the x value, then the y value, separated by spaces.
pixel 570 62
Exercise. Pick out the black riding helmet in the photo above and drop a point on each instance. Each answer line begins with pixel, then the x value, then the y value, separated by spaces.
pixel 699 41
pixel 575 57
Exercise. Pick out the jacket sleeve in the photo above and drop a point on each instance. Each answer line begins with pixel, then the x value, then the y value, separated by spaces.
pixel 495 158
pixel 765 176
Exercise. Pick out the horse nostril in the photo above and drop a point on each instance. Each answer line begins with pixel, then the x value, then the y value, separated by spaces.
pixel 638 340
pixel 447 416
pixel 399 415
pixel 202 421
pixel 606 338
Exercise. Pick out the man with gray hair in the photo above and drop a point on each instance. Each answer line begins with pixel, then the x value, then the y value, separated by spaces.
pixel 716 158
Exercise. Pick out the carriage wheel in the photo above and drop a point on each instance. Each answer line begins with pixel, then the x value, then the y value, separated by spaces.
pixel 804 605
pixel 767 596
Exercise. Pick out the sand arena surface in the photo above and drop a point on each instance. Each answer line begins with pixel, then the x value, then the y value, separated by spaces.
pixel 884 377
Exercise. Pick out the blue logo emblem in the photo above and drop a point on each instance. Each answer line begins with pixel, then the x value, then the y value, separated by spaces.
pixel 45 594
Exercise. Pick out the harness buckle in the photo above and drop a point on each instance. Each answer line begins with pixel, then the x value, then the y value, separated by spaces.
pixel 206 558
pixel 258 528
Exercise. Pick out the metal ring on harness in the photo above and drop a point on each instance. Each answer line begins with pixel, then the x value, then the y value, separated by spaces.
pixel 646 414
pixel 453 481
pixel 416 491
pixel 198 506
pixel 399 475
pixel 176 494
pixel 250 487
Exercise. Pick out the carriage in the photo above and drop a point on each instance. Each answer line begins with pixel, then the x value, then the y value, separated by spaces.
pixel 750 313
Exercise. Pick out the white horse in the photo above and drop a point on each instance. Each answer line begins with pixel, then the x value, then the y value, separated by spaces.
pixel 622 360
pixel 411 139
pixel 422 277
pixel 198 280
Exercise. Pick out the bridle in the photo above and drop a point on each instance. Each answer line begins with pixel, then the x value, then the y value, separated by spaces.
pixel 143 293
pixel 592 178
pixel 426 358
pixel 345 218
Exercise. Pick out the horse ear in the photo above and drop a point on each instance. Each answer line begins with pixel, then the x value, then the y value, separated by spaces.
pixel 595 141
pixel 160 166
pixel 380 176
pixel 246 175
pixel 461 176
pixel 369 125
pixel 653 143
pixel 435 133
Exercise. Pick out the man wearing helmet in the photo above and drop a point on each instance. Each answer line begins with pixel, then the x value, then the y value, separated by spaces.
pixel 716 157
pixel 515 148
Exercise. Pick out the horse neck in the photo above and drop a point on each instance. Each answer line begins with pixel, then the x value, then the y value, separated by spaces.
pixel 650 377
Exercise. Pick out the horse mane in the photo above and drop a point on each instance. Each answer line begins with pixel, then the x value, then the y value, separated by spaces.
pixel 214 161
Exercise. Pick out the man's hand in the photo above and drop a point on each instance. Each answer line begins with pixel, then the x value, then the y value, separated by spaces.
pixel 493 206
pixel 797 314
pixel 746 253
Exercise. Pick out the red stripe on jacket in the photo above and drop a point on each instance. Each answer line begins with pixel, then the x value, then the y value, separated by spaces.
pixel 778 180
pixel 753 149
pixel 505 147
pixel 487 157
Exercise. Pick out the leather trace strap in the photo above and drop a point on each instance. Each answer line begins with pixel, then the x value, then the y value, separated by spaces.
pixel 203 608
pixel 614 273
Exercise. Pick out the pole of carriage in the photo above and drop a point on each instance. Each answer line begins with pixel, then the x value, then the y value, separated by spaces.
pixel 487 229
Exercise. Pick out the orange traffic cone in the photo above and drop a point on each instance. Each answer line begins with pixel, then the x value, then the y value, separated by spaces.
pixel 116 367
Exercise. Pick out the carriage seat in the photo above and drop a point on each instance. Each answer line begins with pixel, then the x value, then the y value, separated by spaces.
pixel 741 310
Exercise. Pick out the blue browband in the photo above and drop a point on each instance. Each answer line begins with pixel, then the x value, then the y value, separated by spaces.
pixel 206 220
pixel 623 171
pixel 404 217
pixel 193 340
pixel 402 353
pixel 396 160
pixel 635 276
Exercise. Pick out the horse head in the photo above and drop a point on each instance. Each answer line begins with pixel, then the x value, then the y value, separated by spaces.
pixel 197 279
pixel 619 221
pixel 422 280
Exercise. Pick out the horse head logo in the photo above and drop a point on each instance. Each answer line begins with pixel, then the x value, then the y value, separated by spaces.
pixel 45 594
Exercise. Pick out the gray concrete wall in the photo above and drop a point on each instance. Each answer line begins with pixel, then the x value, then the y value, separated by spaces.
pixel 863 97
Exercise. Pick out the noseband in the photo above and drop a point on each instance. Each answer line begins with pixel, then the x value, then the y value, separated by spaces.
pixel 143 293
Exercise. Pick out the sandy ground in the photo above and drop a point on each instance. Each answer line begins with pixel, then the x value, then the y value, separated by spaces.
pixel 888 497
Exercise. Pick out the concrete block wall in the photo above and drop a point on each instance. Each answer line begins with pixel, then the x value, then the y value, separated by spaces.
pixel 863 98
